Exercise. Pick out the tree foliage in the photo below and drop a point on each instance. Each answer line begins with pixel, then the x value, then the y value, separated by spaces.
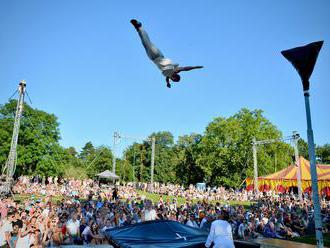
pixel 37 143
pixel 303 148
pixel 323 154
pixel 226 148
pixel 187 151
pixel 222 155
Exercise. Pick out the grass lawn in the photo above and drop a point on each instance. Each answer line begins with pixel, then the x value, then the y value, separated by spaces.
pixel 152 196
pixel 21 197
pixel 155 198
pixel 311 239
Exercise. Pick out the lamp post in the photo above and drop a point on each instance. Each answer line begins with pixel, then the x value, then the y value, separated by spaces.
pixel 303 59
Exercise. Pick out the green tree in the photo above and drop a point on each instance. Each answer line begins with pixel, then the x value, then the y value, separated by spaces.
pixel 138 157
pixel 98 161
pixel 323 154
pixel 165 157
pixel 187 150
pixel 74 167
pixel 303 148
pixel 135 155
pixel 38 139
pixel 87 151
pixel 226 148
pixel 72 151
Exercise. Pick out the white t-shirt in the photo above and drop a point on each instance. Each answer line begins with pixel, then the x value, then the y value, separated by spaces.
pixel 192 224
pixel 166 66
pixel 150 215
pixel 221 235
pixel 87 231
pixel 6 227
pixel 106 228
pixel 23 241
pixel 204 220
pixel 72 227
pixel 241 230
pixel 45 212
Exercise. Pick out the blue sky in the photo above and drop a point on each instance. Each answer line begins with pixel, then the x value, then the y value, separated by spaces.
pixel 84 62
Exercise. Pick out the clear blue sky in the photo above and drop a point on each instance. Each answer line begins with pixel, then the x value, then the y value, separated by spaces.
pixel 84 62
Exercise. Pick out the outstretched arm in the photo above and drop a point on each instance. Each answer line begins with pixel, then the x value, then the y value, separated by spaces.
pixel 187 68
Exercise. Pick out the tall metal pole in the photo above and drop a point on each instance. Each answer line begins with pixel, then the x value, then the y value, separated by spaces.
pixel 115 137
pixel 133 167
pixel 303 59
pixel 255 164
pixel 295 137
pixel 153 140
pixel 10 166
pixel 275 162
pixel 311 153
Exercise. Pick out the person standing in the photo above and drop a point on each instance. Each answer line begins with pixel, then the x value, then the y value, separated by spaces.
pixel 192 222
pixel 220 233
pixel 6 227
pixel 72 228
pixel 149 212
pixel 115 194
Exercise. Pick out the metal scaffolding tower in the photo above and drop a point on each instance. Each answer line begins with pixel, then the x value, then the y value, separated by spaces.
pixel 9 169
pixel 294 137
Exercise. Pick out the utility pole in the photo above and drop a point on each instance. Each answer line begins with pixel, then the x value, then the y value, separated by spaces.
pixel 153 140
pixel 133 167
pixel 296 137
pixel 10 166
pixel 255 164
pixel 117 136
pixel 275 162
pixel 115 139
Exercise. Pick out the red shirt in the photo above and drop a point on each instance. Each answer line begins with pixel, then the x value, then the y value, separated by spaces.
pixel 63 230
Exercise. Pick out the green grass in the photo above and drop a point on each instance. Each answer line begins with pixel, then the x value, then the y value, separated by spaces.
pixel 22 197
pixel 155 198
pixel 311 239
pixel 152 196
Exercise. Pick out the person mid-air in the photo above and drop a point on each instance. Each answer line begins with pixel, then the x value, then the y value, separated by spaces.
pixel 169 69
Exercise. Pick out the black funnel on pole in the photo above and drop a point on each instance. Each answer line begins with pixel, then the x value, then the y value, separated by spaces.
pixel 303 59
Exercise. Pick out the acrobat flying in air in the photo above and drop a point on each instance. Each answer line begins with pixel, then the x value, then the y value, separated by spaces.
pixel 169 69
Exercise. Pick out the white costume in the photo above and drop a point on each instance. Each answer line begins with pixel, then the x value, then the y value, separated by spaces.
pixel 221 235
pixel 150 214
pixel 164 64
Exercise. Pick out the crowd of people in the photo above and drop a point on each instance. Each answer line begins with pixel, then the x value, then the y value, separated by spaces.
pixel 70 211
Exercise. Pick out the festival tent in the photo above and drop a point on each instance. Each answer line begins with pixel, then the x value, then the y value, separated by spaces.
pixel 108 175
pixel 282 180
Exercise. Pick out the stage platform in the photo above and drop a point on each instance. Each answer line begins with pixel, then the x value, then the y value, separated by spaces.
pixel 276 243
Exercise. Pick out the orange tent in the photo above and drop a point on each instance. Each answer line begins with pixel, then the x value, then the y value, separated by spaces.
pixel 282 180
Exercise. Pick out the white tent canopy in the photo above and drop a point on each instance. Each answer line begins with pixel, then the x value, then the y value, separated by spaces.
pixel 108 174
